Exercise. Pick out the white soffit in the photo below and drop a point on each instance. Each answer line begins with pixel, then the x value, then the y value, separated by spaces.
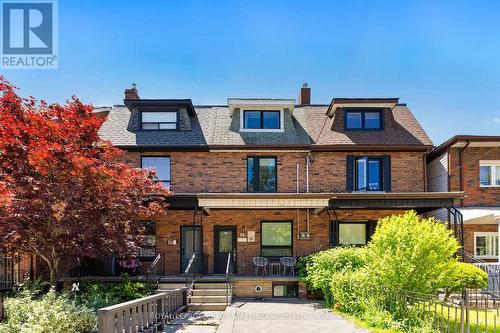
pixel 263 203
pixel 477 144
pixel 260 104
pixel 483 213
pixel 360 105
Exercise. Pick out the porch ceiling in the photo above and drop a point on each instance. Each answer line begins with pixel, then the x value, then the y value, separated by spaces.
pixel 264 200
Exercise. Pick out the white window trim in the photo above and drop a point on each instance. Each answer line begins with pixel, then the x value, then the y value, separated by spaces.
pixel 493 165
pixel 268 130
pixel 490 233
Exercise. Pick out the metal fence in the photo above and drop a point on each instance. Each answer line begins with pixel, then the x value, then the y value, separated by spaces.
pixel 473 311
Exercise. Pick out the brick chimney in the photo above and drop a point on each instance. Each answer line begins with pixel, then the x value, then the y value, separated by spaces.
pixel 305 95
pixel 132 93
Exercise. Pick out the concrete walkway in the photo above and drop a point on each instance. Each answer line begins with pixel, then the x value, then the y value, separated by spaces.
pixel 195 322
pixel 282 316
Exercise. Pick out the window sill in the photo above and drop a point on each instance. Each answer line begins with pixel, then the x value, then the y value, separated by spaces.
pixel 369 192
pixel 486 257
pixel 262 130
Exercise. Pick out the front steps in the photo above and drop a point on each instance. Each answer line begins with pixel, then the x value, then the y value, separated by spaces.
pixel 209 296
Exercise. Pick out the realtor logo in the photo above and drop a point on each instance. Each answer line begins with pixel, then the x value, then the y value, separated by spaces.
pixel 29 34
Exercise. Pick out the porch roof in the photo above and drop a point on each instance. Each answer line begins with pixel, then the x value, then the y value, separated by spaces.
pixel 421 201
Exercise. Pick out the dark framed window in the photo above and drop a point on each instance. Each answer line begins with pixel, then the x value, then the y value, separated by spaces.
pixel 351 233
pixel 147 241
pixel 368 174
pixel 160 120
pixel 256 119
pixel 276 238
pixel 261 174
pixel 161 164
pixel 363 120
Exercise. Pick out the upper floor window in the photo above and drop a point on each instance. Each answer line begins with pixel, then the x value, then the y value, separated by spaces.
pixel 161 164
pixel 261 174
pixel 368 173
pixel 266 120
pixel 159 120
pixel 363 120
pixel 489 173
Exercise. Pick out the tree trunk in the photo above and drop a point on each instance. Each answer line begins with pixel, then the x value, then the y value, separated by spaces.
pixel 54 275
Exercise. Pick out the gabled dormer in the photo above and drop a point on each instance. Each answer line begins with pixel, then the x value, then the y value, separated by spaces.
pixel 261 114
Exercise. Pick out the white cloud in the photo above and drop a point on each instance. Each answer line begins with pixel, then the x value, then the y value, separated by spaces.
pixel 496 120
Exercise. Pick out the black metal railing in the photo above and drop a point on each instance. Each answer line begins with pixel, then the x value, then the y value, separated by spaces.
pixel 155 271
pixel 229 273
pixel 190 271
pixel 7 276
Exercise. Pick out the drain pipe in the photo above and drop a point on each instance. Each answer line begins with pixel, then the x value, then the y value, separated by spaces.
pixel 298 177
pixel 462 168
pixel 307 173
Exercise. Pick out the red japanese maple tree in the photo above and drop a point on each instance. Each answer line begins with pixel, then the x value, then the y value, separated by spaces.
pixel 64 194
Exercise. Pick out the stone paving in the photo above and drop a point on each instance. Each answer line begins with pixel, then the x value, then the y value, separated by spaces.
pixel 282 316
pixel 195 322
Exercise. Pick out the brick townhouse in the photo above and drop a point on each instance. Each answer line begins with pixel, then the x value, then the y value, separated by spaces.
pixel 471 164
pixel 272 178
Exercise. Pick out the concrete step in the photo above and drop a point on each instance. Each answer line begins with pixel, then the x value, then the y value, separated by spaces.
pixel 210 299
pixel 207 306
pixel 167 286
pixel 209 292
pixel 209 285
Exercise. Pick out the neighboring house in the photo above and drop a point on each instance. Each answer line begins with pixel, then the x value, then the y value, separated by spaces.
pixel 471 164
pixel 271 177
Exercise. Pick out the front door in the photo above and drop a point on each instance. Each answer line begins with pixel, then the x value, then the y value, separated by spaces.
pixel 191 240
pixel 225 243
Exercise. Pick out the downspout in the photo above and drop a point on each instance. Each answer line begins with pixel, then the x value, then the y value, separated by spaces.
pixel 460 165
pixel 298 186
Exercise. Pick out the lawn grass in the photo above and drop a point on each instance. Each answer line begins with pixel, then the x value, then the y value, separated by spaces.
pixel 359 323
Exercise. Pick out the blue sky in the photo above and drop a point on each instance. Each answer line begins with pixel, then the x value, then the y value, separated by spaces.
pixel 442 58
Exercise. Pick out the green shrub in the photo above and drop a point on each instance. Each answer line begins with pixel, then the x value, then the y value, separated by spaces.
pixel 348 291
pixel 324 264
pixel 50 313
pixel 36 288
pixel 97 295
pixel 410 253
pixel 462 276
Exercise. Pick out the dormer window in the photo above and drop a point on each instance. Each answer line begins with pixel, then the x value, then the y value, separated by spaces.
pixel 254 119
pixel 363 120
pixel 261 114
pixel 160 120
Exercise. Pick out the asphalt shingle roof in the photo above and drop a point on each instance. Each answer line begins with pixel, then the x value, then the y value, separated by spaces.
pixel 215 126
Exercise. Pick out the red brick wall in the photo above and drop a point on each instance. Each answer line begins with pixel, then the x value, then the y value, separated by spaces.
pixel 227 172
pixel 168 228
pixel 470 229
pixel 476 195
